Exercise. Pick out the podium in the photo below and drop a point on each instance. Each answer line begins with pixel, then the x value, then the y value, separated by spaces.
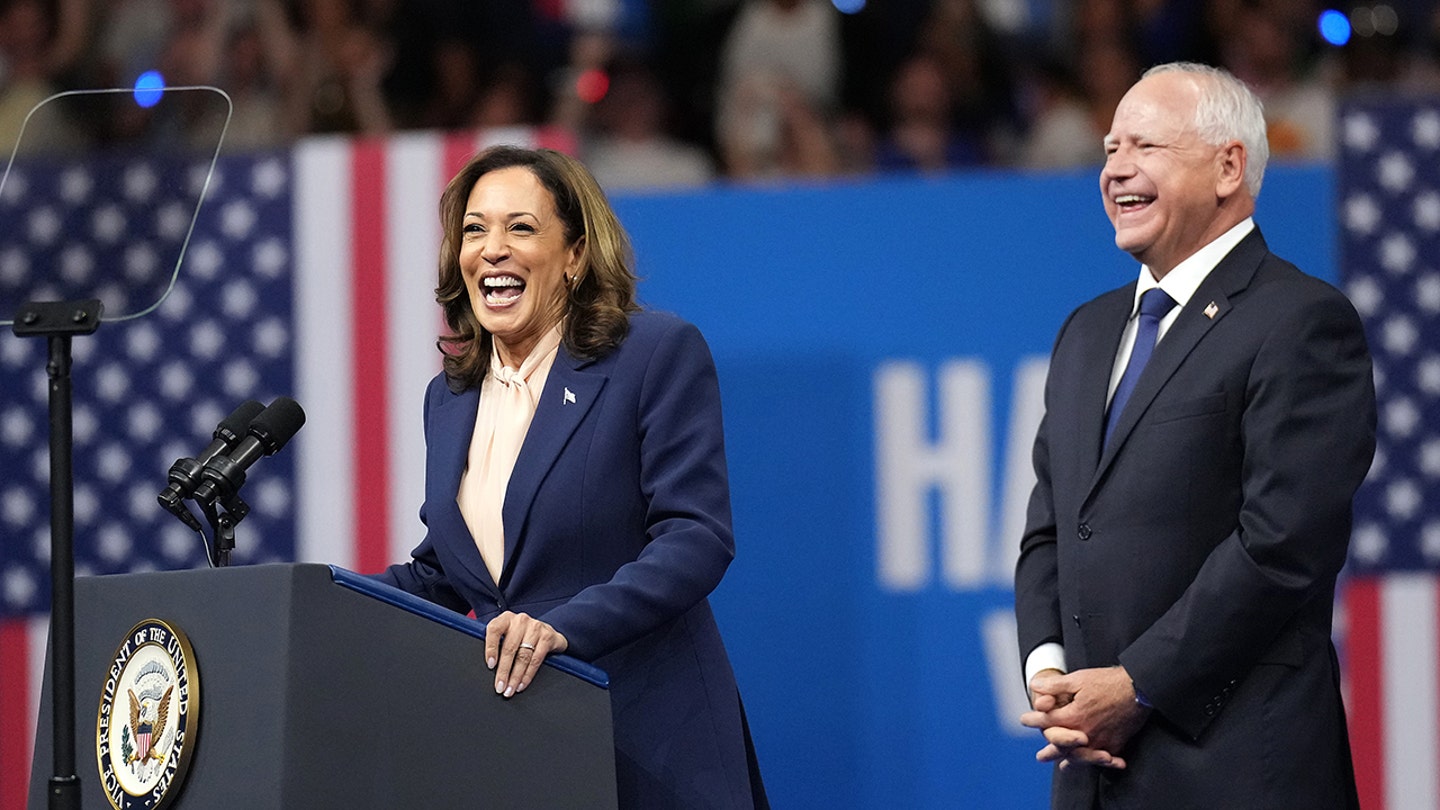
pixel 318 688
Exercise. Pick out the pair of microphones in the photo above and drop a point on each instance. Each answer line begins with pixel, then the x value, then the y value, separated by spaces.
pixel 251 432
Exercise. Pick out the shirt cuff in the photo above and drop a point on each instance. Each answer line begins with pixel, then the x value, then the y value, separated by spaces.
pixel 1047 656
pixel 1140 698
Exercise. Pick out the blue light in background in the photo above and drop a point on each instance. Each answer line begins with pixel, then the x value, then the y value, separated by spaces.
pixel 148 88
pixel 1334 27
pixel 848 6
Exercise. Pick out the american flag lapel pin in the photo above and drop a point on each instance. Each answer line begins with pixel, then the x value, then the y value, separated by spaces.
pixel 569 397
pixel 1210 310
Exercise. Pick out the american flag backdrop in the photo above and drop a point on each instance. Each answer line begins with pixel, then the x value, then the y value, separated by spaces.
pixel 310 273
pixel 1389 199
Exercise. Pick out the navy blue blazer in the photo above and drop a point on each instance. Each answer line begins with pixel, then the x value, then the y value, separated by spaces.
pixel 1200 547
pixel 617 528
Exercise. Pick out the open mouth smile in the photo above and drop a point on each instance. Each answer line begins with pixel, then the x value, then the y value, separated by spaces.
pixel 501 290
pixel 1129 203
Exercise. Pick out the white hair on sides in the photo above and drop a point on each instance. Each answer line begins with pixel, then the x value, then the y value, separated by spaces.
pixel 1227 111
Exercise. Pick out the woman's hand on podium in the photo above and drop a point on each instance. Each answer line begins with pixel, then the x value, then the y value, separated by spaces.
pixel 515 646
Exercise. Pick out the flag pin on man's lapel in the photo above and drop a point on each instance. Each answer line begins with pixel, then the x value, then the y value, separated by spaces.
pixel 1210 310
pixel 569 397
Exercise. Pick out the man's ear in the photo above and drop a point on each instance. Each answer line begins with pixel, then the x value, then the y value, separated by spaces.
pixel 1231 177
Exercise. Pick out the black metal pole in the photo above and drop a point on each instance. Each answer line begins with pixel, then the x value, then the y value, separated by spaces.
pixel 59 321
pixel 65 784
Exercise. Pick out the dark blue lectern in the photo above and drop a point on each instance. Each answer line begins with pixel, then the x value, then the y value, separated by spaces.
pixel 322 689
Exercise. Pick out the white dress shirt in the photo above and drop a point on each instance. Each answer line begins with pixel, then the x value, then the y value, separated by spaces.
pixel 1180 284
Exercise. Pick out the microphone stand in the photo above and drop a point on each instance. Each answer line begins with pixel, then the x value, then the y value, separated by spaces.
pixel 222 525
pixel 59 321
pixel 224 539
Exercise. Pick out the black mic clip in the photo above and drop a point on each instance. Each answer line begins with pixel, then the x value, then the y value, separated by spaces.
pixel 221 480
pixel 171 497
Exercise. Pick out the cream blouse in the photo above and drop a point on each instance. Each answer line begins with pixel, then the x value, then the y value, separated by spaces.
pixel 508 399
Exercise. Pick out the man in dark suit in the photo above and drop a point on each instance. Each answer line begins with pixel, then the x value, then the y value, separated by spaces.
pixel 1205 431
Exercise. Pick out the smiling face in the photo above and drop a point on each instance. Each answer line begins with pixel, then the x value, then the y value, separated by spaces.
pixel 1167 192
pixel 514 257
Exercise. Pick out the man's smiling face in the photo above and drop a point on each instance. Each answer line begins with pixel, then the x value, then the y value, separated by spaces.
pixel 1161 181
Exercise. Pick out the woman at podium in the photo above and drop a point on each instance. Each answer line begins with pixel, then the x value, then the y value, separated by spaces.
pixel 576 494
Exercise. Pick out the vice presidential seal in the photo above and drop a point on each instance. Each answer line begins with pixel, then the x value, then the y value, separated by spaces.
pixel 149 714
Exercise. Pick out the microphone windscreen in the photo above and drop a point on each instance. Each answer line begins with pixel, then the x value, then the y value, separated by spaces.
pixel 277 424
pixel 232 428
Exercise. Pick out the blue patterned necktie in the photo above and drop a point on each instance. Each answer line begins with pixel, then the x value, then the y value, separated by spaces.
pixel 1154 305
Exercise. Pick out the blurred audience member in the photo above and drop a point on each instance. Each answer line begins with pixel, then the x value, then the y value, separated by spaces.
pixel 1423 71
pixel 1062 131
pixel 131 37
pixel 1265 48
pixel 507 99
pixel 1074 114
pixel 456 89
pixel 1173 31
pixel 582 82
pixel 1084 21
pixel 978 73
pixel 37 47
pixel 509 111
pixel 779 81
pixel 856 144
pixel 428 42
pixel 248 73
pixel 922 134
pixel 333 62
pixel 632 146
pixel 190 57
pixel 193 47
pixel 1392 53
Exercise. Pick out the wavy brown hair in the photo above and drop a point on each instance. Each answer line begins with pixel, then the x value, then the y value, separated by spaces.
pixel 598 298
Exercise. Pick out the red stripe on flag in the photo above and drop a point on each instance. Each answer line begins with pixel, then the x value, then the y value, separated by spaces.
pixel 458 149
pixel 16 714
pixel 561 140
pixel 1363 664
pixel 368 337
pixel 456 152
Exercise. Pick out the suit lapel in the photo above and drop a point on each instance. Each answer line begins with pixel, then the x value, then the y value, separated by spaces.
pixel 569 394
pixel 1206 308
pixel 1170 352
pixel 1099 360
pixel 451 426
pixel 455 417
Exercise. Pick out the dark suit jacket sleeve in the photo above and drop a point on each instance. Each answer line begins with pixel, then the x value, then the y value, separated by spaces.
pixel 1037 587
pixel 423 575
pixel 1308 437
pixel 685 484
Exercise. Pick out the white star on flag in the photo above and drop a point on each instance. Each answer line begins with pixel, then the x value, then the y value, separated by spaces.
pixel 1391 597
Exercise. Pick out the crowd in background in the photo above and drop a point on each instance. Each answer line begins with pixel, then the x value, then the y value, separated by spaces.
pixel 680 92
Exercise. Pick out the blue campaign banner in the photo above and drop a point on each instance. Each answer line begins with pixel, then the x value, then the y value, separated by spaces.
pixel 881 348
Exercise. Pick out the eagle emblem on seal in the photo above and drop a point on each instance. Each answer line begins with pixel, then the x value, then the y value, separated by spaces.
pixel 147 718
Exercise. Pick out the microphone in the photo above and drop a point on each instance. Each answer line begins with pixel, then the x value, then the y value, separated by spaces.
pixel 224 474
pixel 185 472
